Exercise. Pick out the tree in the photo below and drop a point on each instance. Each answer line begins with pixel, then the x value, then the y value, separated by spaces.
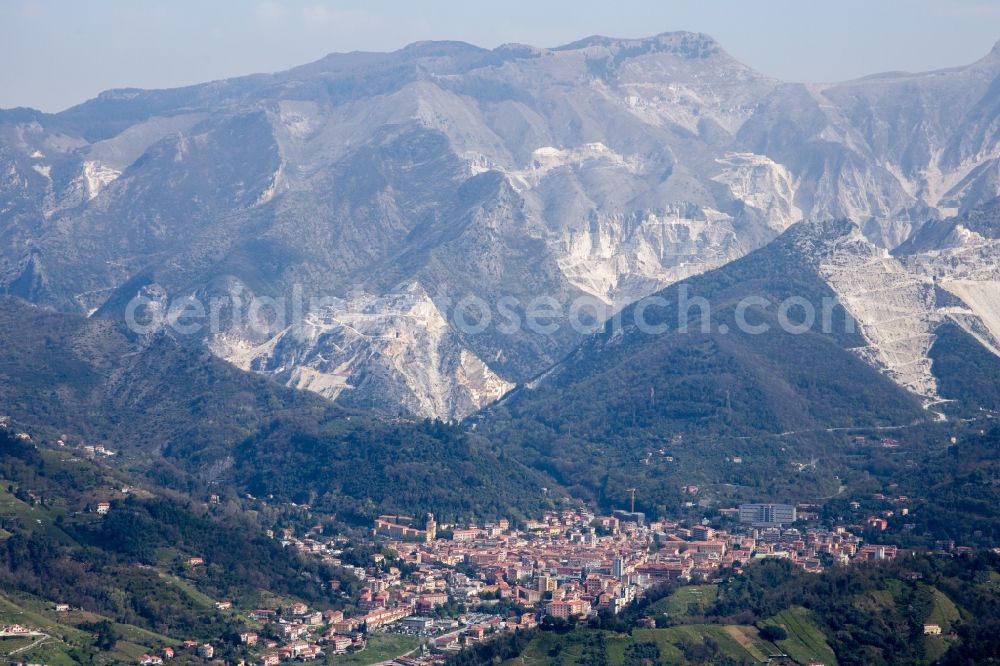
pixel 773 632
pixel 105 634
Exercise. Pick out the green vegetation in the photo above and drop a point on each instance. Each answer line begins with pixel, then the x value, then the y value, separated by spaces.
pixel 55 653
pixel 190 591
pixel 847 616
pixel 693 643
pixel 359 469
pixel 950 488
pixel 134 593
pixel 19 612
pixel 683 407
pixel 692 640
pixel 803 640
pixel 966 371
pixel 179 416
pixel 78 637
pixel 944 612
pixel 65 373
pixel 773 633
pixel 494 651
pixel 871 613
pixel 700 397
pixel 691 600
pixel 380 647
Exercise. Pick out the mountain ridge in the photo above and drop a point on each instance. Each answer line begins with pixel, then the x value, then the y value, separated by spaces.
pixel 603 170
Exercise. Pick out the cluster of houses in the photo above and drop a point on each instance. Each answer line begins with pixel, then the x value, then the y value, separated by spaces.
pixel 306 634
pixel 569 563
pixel 575 562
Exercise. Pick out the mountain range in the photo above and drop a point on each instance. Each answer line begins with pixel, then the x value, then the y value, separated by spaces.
pixel 388 191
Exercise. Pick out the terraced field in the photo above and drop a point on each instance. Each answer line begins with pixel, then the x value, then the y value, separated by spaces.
pixel 739 642
pixel 64 638
pixel 806 643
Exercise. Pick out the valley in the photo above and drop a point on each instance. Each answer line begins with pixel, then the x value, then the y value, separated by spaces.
pixel 613 353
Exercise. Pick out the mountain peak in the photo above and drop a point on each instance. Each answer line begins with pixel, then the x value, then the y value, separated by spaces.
pixel 680 43
pixel 443 48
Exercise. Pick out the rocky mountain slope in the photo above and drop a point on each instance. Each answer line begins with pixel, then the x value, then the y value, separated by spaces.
pixel 781 355
pixel 948 272
pixel 722 364
pixel 92 381
pixel 388 189
pixel 186 419
pixel 391 352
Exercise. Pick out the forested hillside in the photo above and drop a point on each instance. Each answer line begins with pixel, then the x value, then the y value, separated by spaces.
pixel 186 419
pixel 610 415
pixel 128 572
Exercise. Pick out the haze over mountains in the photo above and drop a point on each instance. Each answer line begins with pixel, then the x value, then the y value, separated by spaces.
pixel 395 185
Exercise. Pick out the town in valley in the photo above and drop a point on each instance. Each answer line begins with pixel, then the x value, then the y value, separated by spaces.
pixel 448 587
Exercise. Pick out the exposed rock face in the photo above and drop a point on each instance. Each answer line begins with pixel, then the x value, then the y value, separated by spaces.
pixel 605 168
pixel 894 307
pixel 962 256
pixel 394 352
pixel 949 271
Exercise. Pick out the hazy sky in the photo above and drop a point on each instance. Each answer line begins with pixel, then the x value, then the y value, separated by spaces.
pixel 54 54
